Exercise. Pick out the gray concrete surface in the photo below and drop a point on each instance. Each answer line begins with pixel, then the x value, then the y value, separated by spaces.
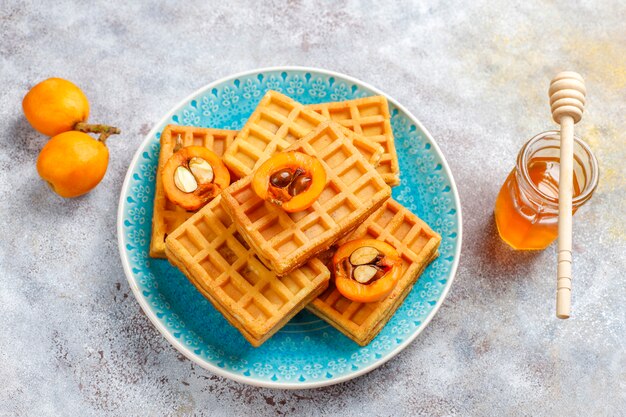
pixel 74 341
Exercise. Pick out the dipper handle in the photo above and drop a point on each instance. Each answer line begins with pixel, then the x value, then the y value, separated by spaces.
pixel 567 101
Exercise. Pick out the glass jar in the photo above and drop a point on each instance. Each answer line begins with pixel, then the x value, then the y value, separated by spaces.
pixel 527 207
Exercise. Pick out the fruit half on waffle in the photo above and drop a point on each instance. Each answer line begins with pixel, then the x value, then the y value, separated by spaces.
pixel 416 244
pixel 167 216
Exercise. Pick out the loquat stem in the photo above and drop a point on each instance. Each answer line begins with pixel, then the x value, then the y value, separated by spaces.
pixel 103 130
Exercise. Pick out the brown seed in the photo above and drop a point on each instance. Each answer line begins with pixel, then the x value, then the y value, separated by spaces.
pixel 364 255
pixel 184 180
pixel 299 185
pixel 281 178
pixel 364 273
pixel 201 169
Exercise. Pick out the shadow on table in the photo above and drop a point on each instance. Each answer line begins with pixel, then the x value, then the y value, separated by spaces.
pixel 495 257
pixel 23 141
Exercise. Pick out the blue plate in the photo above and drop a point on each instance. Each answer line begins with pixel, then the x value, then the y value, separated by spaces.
pixel 307 352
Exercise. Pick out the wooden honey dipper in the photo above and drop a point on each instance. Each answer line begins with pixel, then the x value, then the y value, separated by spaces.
pixel 567 102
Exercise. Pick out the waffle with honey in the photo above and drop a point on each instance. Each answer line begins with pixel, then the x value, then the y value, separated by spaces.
pixel 208 249
pixel 368 117
pixel 353 191
pixel 417 246
pixel 278 122
pixel 167 216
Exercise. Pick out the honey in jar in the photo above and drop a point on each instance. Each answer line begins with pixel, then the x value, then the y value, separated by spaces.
pixel 527 207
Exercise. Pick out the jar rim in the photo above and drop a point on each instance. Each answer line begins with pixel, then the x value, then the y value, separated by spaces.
pixel 591 184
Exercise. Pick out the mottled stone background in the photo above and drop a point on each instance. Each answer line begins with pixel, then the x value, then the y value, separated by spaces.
pixel 74 341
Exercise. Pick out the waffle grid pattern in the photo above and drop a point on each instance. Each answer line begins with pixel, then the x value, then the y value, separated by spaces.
pixel 417 245
pixel 167 216
pixel 277 123
pixel 286 240
pixel 222 266
pixel 368 117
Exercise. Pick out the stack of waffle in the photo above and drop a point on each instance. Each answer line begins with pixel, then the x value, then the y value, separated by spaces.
pixel 260 265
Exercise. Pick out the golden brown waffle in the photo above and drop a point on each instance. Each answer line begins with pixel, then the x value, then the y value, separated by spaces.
pixel 276 124
pixel 353 191
pixel 167 216
pixel 208 249
pixel 417 245
pixel 368 117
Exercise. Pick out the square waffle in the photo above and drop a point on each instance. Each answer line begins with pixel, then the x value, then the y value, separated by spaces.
pixel 276 124
pixel 167 216
pixel 368 117
pixel 353 191
pixel 208 249
pixel 417 245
